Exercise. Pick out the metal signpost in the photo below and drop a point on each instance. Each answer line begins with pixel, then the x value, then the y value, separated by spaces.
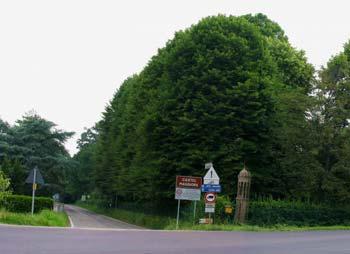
pixel 187 188
pixel 34 178
pixel 211 186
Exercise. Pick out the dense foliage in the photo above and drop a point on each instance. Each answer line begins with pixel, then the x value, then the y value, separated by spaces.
pixel 272 212
pixel 23 204
pixel 226 90
pixel 33 141
pixel 4 184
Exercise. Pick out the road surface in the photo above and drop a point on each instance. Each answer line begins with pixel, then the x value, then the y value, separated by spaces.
pixel 82 218
pixel 35 240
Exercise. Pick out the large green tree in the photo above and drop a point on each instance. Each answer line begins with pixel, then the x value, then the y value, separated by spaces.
pixel 216 92
pixel 333 115
pixel 34 141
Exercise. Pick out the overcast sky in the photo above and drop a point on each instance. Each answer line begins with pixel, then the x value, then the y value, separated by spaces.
pixel 65 59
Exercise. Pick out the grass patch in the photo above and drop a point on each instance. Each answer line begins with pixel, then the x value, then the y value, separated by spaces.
pixel 44 218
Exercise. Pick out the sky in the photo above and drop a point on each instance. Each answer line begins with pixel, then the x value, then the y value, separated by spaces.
pixel 65 59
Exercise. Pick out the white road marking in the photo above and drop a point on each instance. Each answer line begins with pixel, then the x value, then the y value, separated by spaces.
pixel 71 222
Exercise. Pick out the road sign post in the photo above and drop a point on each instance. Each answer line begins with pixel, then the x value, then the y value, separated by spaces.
pixel 211 186
pixel 34 178
pixel 194 212
pixel 33 193
pixel 178 214
pixel 187 188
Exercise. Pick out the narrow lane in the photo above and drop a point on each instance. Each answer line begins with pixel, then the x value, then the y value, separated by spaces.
pixel 82 218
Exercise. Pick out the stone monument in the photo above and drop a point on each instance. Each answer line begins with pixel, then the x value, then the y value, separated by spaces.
pixel 242 200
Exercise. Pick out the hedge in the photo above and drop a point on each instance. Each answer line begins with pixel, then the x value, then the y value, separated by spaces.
pixel 23 204
pixel 263 212
pixel 272 212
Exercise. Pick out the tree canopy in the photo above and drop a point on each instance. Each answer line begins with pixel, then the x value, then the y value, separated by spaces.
pixel 228 90
pixel 33 141
pixel 221 91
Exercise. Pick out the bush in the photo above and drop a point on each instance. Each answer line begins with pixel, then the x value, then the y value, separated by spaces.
pixel 263 212
pixel 297 213
pixel 269 212
pixel 23 204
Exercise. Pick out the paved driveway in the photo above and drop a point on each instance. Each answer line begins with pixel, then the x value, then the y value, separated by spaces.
pixel 82 218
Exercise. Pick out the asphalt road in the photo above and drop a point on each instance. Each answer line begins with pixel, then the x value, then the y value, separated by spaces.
pixel 34 240
pixel 82 218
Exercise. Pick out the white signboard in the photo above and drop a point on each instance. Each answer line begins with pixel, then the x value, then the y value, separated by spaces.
pixel 209 208
pixel 188 194
pixel 211 177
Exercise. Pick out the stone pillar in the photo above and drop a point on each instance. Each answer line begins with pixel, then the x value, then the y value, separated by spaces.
pixel 242 199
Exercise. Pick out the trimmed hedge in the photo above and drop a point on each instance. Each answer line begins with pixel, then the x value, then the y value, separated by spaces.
pixel 269 212
pixel 23 204
pixel 273 212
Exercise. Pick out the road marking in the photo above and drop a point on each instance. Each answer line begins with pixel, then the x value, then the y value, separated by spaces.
pixel 71 222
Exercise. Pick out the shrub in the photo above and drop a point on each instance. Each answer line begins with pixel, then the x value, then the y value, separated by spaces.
pixel 23 204
pixel 273 212
pixel 4 184
pixel 269 212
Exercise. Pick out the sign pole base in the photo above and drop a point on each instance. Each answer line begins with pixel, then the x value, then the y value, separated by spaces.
pixel 194 212
pixel 178 214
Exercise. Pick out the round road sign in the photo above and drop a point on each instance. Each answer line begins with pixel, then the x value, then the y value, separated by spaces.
pixel 210 197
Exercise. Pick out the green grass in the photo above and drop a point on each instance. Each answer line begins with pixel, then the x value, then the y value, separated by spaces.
pixel 44 218
pixel 167 223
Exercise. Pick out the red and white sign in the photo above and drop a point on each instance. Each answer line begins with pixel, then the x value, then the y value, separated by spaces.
pixel 188 188
pixel 210 197
pixel 188 182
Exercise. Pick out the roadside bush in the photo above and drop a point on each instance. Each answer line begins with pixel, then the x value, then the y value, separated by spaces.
pixel 269 212
pixel 219 217
pixel 23 204
pixel 262 212
pixel 273 212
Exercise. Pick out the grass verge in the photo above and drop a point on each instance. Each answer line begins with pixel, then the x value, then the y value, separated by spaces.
pixel 44 218
pixel 159 222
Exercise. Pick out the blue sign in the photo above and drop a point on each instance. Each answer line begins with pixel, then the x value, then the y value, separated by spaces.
pixel 211 188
